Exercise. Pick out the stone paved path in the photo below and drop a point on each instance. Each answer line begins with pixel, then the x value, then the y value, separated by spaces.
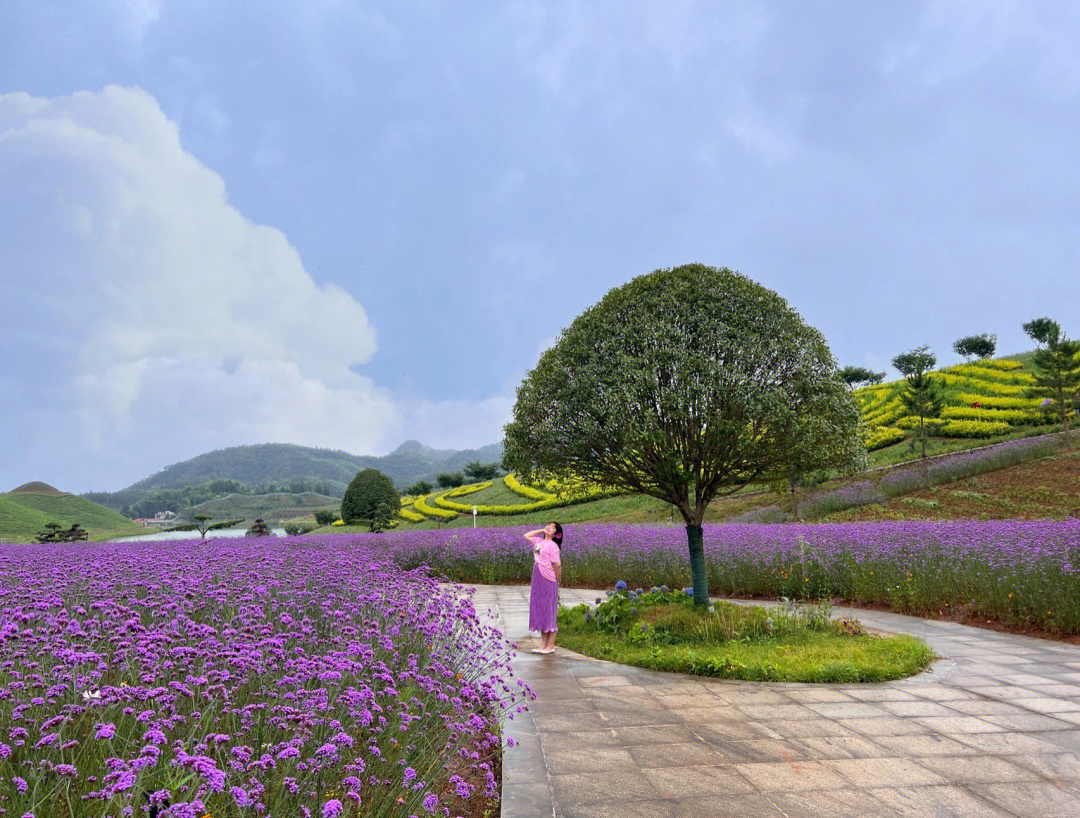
pixel 992 730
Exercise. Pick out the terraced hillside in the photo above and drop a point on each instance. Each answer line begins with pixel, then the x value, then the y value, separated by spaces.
pixel 983 401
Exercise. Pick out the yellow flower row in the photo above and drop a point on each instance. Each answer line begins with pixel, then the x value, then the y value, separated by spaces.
pixel 517 487
pixel 431 511
pixel 973 384
pixel 1014 417
pixel 973 428
pixel 469 489
pixel 999 402
pixel 411 516
pixel 986 373
pixel 883 436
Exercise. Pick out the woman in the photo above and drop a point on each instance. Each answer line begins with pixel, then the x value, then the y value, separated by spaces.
pixel 547 572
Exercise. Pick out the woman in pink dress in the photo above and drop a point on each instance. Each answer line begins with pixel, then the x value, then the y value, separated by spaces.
pixel 547 572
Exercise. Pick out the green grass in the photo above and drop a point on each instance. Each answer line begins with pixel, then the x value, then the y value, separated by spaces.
pixel 798 644
pixel 23 516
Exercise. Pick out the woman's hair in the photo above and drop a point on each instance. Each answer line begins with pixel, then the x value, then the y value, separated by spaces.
pixel 557 536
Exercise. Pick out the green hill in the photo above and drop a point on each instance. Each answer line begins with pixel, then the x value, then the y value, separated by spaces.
pixel 270 507
pixel 281 463
pixel 24 513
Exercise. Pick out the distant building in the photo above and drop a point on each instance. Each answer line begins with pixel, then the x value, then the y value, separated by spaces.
pixel 161 518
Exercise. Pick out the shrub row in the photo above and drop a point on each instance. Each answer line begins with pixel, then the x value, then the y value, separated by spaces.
pixel 411 516
pixel 1014 417
pixel 469 489
pixel 976 384
pixel 973 428
pixel 991 374
pixel 517 487
pixel 430 511
pixel 999 402
pixel 883 436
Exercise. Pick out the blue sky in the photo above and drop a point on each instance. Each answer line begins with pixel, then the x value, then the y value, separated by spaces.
pixel 347 224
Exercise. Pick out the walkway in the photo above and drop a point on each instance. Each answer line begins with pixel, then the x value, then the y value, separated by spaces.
pixel 991 730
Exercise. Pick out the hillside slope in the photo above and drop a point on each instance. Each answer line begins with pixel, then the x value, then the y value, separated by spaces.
pixel 284 462
pixel 24 515
pixel 270 507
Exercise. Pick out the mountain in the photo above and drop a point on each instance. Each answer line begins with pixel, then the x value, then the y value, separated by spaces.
pixel 281 463
pixel 25 511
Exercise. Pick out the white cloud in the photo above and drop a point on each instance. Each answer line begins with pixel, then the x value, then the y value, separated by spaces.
pixel 173 323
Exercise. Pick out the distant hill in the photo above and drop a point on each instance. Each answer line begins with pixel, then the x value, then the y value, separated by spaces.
pixel 283 462
pixel 25 511
pixel 270 507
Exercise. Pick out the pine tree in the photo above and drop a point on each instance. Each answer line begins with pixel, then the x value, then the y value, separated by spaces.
pixel 924 395
pixel 1057 369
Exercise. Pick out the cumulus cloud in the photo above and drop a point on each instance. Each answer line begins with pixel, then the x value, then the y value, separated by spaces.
pixel 146 319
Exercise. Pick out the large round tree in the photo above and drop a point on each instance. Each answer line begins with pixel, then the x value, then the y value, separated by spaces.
pixel 684 384
pixel 369 499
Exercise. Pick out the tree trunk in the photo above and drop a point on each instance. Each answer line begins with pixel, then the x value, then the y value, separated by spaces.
pixel 699 577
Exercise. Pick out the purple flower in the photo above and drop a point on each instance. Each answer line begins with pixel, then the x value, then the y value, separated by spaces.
pixel 332 808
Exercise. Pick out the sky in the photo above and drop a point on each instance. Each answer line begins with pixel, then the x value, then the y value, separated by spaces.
pixel 351 224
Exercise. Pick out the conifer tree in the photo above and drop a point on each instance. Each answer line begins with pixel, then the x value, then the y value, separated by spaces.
pixel 924 395
pixel 1057 369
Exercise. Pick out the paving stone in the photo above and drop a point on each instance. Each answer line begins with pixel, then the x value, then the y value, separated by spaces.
pixel 1008 743
pixel 794 775
pixel 976 769
pixel 1034 800
pixel 830 804
pixel 576 789
pixel 886 726
pixel 937 802
pixel 843 747
pixel 621 809
pixel 805 728
pixel 1028 722
pixel 884 772
pixel 918 708
pixel 736 730
pixel 760 750
pixel 653 734
pixel 927 745
pixel 575 722
pixel 850 710
pixel 688 754
pixel 1063 768
pixel 695 782
pixel 740 805
pixel 951 725
pixel 562 741
pixel 1069 739
pixel 592 759
pixel 769 712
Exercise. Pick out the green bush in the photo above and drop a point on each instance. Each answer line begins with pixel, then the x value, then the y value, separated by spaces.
pixel 325 517
pixel 296 527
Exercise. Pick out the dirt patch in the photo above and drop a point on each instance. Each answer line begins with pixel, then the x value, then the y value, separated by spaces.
pixel 1038 490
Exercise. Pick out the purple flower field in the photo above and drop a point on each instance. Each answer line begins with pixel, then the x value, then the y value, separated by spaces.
pixel 1015 572
pixel 267 677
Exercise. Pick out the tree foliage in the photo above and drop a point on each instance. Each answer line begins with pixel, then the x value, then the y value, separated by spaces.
pixel 202 524
pixel 478 472
pixel 419 488
pixel 450 479
pixel 1057 369
pixel 856 376
pixel 924 394
pixel 982 345
pixel 368 490
pixel 683 384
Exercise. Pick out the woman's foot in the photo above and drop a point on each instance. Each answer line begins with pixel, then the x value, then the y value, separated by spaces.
pixel 544 651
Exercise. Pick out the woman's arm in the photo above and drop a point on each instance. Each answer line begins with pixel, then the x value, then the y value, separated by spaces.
pixel 558 572
pixel 538 533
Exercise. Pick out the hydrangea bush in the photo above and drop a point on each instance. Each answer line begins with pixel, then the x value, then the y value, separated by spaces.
pixel 304 677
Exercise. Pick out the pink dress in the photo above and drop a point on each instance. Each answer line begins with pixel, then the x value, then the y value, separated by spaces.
pixel 544 599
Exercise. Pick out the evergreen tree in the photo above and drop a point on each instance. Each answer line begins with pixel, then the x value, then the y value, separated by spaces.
pixel 979 346
pixel 1057 369
pixel 368 490
pixel 924 395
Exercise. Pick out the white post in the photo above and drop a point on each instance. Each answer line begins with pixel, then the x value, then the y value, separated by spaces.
pixel 474 516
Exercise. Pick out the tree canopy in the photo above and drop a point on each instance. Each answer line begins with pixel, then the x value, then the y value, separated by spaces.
pixel 923 395
pixel 982 345
pixel 855 376
pixel 1057 369
pixel 683 384
pixel 368 495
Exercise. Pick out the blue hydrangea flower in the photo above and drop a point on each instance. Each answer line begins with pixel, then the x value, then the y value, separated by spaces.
pixel 620 585
pixel 664 589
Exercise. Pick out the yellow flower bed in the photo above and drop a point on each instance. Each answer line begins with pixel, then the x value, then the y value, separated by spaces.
pixel 912 422
pixel 887 414
pixel 338 522
pixel 999 402
pixel 993 363
pixel 515 486
pixel 883 436
pixel 988 373
pixel 1014 417
pixel 430 511
pixel 411 516
pixel 976 384
pixel 469 489
pixel 973 428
